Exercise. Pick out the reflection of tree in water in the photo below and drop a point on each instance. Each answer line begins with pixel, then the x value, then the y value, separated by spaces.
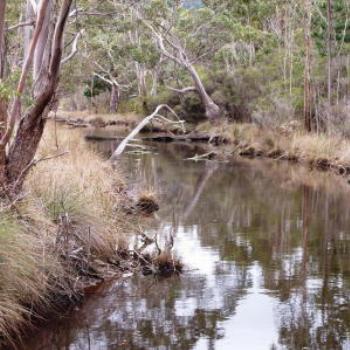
pixel 296 234
pixel 142 315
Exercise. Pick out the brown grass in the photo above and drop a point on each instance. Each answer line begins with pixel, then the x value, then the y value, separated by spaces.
pixel 106 117
pixel 249 139
pixel 69 216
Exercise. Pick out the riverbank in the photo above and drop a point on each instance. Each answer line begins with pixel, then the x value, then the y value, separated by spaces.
pixel 290 143
pixel 64 236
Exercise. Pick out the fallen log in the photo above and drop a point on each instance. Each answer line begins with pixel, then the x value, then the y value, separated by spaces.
pixel 140 126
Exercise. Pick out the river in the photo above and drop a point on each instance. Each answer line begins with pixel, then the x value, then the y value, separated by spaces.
pixel 266 249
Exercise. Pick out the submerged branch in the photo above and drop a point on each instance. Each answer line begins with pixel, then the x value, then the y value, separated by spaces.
pixel 120 149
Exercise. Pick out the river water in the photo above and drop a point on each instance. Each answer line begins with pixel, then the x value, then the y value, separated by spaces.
pixel 266 248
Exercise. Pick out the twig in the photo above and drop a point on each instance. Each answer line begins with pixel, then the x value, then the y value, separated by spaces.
pixel 74 47
pixel 183 90
pixel 201 157
pixel 22 24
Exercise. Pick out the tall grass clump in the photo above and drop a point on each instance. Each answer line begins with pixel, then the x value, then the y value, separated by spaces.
pixel 27 270
pixel 50 240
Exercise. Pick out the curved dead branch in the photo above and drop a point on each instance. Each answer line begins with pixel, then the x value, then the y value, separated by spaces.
pixel 120 149
pixel 74 47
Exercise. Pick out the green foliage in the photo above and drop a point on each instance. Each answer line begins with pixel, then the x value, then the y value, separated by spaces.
pixel 340 24
pixel 94 87
pixel 8 85
pixel 5 91
pixel 146 53
pixel 132 105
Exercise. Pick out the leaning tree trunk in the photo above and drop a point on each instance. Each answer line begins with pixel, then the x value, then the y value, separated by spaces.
pixel 42 42
pixel 212 110
pixel 31 126
pixel 28 136
pixel 114 101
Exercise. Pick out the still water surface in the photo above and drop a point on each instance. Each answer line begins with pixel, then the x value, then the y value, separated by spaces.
pixel 267 260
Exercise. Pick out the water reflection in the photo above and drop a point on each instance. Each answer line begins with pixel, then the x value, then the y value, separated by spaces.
pixel 267 262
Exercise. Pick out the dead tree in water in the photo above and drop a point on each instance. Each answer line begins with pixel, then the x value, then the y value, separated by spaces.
pixel 20 134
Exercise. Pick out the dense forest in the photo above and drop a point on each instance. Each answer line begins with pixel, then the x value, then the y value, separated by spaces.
pixel 265 62
pixel 224 80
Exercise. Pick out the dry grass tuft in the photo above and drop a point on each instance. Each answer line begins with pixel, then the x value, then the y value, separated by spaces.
pixel 164 265
pixel 147 202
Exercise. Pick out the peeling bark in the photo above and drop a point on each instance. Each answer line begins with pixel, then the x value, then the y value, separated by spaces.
pixel 42 42
pixel 24 143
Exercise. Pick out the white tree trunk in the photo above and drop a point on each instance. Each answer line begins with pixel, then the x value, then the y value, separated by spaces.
pixel 212 110
pixel 42 42
pixel 27 30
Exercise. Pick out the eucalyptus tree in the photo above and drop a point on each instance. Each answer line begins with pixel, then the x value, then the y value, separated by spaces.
pixel 21 130
pixel 186 37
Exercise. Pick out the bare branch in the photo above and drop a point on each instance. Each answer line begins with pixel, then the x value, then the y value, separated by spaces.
pixel 74 47
pixel 110 82
pixel 182 91
pixel 160 41
pixel 139 127
pixel 20 25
